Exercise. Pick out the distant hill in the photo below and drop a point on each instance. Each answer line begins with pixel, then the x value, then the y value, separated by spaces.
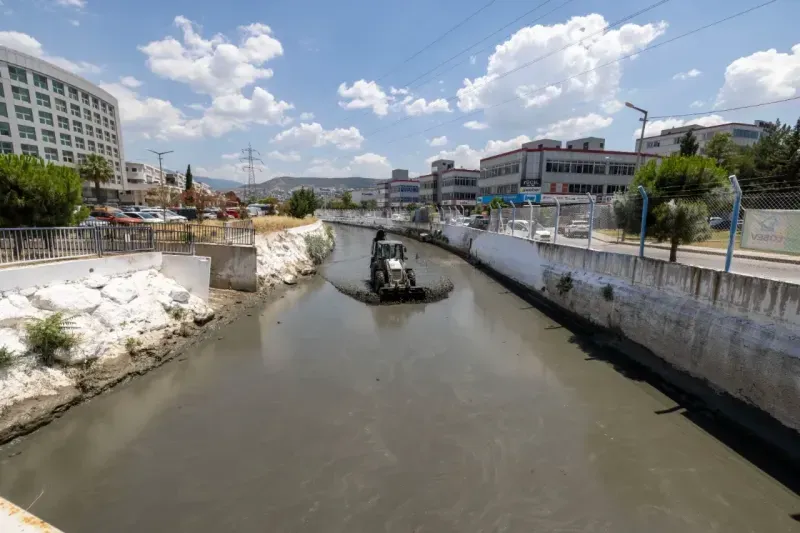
pixel 219 184
pixel 286 183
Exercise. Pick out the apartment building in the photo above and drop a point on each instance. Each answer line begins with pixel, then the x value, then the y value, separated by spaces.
pixel 669 140
pixel 543 169
pixel 51 113
pixel 140 177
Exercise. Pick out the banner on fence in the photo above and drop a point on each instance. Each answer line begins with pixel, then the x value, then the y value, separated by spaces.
pixel 776 230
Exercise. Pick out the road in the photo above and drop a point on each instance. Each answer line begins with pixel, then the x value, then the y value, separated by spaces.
pixel 321 414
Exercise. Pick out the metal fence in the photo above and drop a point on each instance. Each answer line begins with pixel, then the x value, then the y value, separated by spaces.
pixel 25 245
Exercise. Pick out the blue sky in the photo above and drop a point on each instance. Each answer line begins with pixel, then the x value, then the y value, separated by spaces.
pixel 317 86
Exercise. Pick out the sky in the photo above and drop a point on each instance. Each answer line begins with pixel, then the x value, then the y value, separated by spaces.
pixel 357 87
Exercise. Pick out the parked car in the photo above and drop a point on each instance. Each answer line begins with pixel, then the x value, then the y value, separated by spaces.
pixel 479 223
pixel 232 212
pixel 91 221
pixel 521 229
pixel 116 217
pixel 171 216
pixel 147 218
pixel 577 228
pixel 719 223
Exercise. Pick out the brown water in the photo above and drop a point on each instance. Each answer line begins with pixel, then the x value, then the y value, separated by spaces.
pixel 476 413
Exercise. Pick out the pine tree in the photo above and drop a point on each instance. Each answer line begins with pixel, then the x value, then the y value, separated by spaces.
pixel 689 144
pixel 189 177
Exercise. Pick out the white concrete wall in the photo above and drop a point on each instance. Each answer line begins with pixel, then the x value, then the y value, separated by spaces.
pixel 24 277
pixel 191 272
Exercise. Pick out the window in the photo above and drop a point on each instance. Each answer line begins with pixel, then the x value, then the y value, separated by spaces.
pixel 611 189
pixel 116 152
pixel 5 129
pixel 103 107
pixel 73 93
pixel 111 112
pixel 43 100
pixel 97 118
pixel 27 132
pixel 49 136
pixel 45 118
pixel 87 115
pixel 68 157
pixel 79 143
pixel 653 144
pixel 58 87
pixel 114 139
pixel 61 105
pixel 2 91
pixel 90 146
pixel 745 134
pixel 18 74
pixel 30 149
pixel 23 95
pixel 75 110
pixel 113 125
pixel 6 148
pixel 40 81
pixel 99 134
pixel 84 99
pixel 105 121
pixel 3 109
pixel 622 169
pixel 108 137
pixel 51 154
pixel 89 130
pixel 63 123
pixel 81 158
pixel 586 146
pixel 66 140
pixel 101 148
pixel 77 127
pixel 95 103
pixel 23 113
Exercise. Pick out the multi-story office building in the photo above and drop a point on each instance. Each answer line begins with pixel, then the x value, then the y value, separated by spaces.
pixel 542 169
pixel 669 140
pixel 403 192
pixel 429 184
pixel 48 112
pixel 459 187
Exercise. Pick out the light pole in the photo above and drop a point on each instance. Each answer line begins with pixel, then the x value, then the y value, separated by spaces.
pixel 641 136
pixel 163 183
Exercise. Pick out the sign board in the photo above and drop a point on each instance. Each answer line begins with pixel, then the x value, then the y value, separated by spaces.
pixel 567 198
pixel 517 199
pixel 776 230
pixel 530 190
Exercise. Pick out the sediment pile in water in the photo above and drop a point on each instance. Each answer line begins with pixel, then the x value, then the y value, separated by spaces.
pixel 435 289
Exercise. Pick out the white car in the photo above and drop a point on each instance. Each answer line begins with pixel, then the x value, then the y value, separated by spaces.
pixel 168 215
pixel 521 229
pixel 578 228
pixel 144 216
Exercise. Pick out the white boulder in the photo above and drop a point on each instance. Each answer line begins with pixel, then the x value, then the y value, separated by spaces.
pixel 96 281
pixel 27 293
pixel 69 298
pixel 120 290
pixel 179 294
pixel 11 340
pixel 147 313
pixel 16 309
pixel 112 314
pixel 290 279
pixel 201 312
pixel 94 340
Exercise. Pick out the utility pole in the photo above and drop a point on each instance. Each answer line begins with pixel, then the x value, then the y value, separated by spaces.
pixel 251 169
pixel 163 182
pixel 640 151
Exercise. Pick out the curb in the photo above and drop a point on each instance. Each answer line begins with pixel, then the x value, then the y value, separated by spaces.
pixel 769 259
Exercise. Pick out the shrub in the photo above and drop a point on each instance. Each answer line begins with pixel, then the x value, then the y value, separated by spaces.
pixel 564 284
pixel 317 248
pixel 6 356
pixel 608 292
pixel 44 337
pixel 176 313
pixel 132 345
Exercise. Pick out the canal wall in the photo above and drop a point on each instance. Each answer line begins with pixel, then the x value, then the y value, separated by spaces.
pixel 284 255
pixel 232 267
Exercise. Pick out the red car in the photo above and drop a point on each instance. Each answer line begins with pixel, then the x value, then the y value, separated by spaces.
pixel 115 216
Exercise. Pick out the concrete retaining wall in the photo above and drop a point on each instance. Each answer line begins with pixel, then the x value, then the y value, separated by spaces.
pixel 191 272
pixel 232 267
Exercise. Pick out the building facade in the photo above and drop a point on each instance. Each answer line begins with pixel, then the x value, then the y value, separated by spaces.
pixel 139 178
pixel 403 192
pixel 540 170
pixel 459 187
pixel 51 113
pixel 669 140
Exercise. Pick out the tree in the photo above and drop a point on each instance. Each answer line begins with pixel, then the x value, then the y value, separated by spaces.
pixel 96 169
pixel 302 202
pixel 411 207
pixel 722 149
pixel 680 189
pixel 497 203
pixel 689 144
pixel 269 200
pixel 347 200
pixel 162 196
pixel 36 193
pixel 372 204
pixel 189 183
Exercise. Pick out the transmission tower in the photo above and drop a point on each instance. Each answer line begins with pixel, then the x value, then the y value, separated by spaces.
pixel 248 160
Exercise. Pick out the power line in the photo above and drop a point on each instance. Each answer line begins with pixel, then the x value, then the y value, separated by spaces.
pixel 442 36
pixel 751 106
pixel 540 58
pixel 609 63
pixel 251 169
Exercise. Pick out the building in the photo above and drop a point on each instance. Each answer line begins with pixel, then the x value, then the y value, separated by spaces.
pixel 139 178
pixel 540 170
pixel 175 179
pixel 403 192
pixel 383 194
pixel 364 195
pixel 459 187
pixel 429 183
pixel 669 141
pixel 51 113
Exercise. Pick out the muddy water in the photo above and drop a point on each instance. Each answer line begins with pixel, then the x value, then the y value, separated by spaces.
pixel 319 413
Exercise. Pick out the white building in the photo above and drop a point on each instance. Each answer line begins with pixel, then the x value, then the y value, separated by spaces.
pixel 364 195
pixel 51 113
pixel 542 169
pixel 140 177
pixel 669 141
pixel 403 192
pixel 459 187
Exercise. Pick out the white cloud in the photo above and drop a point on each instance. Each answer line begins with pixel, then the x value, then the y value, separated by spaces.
pixel 307 116
pixel 130 81
pixel 438 141
pixel 761 77
pixel 473 60
pixel 368 165
pixel 79 4
pixel 307 135
pixel 654 127
pixel 540 98
pixel 468 157
pixel 28 45
pixel 235 111
pixel 286 157
pixel 214 66
pixel 365 95
pixel 693 73
pixel 611 106
pixel 228 171
pixel 575 127
pixel 75 23
pixel 696 104
pixel 232 155
pixel 421 107
pixel 475 125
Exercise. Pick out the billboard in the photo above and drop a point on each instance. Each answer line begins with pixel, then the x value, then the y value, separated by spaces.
pixel 776 230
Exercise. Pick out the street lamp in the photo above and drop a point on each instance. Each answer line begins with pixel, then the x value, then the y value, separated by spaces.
pixel 641 136
pixel 163 182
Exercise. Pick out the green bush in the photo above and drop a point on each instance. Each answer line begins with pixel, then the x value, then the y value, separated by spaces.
pixel 317 248
pixel 37 193
pixel 44 337
pixel 6 356
pixel 132 345
pixel 564 284
pixel 303 202
pixel 608 292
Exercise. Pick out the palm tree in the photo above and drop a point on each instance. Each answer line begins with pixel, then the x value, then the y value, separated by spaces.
pixel 96 169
